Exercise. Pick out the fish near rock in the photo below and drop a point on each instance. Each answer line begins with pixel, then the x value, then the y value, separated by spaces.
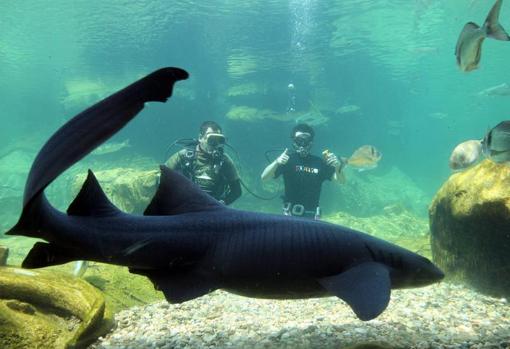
pixel 496 143
pixel 469 44
pixel 465 154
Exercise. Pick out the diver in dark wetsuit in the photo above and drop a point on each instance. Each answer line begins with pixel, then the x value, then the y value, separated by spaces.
pixel 303 174
pixel 207 165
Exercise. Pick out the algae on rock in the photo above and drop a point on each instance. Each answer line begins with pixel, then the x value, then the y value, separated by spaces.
pixel 47 309
pixel 246 89
pixel 470 227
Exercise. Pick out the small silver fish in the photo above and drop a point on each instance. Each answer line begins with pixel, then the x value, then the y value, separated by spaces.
pixel 312 119
pixel 496 143
pixel 465 154
pixel 111 147
pixel 469 45
pixel 80 267
pixel 349 108
pixel 499 90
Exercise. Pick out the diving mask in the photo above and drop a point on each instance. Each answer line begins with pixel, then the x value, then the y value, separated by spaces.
pixel 302 143
pixel 215 139
pixel 211 142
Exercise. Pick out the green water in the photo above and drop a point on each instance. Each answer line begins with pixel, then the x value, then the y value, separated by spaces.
pixel 392 59
pixel 389 64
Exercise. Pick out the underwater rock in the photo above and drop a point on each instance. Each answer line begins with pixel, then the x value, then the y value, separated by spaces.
pixel 246 89
pixel 129 189
pixel 244 113
pixel 48 309
pixel 241 63
pixel 470 227
pixel 4 253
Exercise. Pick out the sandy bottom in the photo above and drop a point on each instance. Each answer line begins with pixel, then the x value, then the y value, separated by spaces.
pixel 439 316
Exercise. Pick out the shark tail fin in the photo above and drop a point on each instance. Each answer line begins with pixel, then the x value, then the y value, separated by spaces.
pixel 43 254
pixel 494 29
pixel 32 218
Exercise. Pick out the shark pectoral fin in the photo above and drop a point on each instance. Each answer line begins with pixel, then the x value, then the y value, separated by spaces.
pixel 45 254
pixel 91 200
pixel 181 286
pixel 366 288
pixel 176 194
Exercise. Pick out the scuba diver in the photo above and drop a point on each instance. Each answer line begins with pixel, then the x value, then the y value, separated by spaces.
pixel 204 162
pixel 303 174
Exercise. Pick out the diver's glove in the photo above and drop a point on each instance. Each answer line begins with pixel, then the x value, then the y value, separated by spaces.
pixel 283 158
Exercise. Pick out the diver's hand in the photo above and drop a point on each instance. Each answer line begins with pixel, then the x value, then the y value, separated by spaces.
pixel 283 158
pixel 332 160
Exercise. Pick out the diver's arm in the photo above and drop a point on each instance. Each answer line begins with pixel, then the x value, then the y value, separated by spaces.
pixel 174 161
pixel 338 175
pixel 234 192
pixel 270 170
pixel 339 165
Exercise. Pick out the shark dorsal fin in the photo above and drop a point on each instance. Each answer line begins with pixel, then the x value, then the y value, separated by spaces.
pixel 176 195
pixel 91 200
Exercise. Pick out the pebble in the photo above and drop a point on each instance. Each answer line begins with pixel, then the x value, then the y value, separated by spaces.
pixel 442 316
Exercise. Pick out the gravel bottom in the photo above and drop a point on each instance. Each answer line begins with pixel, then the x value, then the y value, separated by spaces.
pixel 440 316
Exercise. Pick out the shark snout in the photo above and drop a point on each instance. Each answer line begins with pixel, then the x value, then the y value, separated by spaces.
pixel 417 271
pixel 429 274
pixel 436 274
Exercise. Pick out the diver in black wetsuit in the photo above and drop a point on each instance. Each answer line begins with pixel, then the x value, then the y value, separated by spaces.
pixel 303 173
pixel 207 165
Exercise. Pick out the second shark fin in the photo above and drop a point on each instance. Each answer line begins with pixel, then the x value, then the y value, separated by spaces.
pixel 176 195
pixel 366 288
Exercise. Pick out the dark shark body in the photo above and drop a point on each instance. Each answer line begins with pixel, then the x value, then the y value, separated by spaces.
pixel 188 244
pixel 469 44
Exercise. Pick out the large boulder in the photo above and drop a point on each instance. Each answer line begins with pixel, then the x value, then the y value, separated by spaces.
pixel 48 309
pixel 470 227
pixel 129 189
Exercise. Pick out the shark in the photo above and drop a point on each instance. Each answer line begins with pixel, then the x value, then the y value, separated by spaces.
pixel 187 243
